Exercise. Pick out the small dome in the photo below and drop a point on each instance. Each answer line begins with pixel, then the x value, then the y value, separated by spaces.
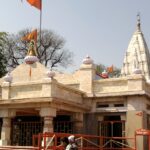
pixel 8 77
pixel 87 60
pixel 30 59
pixel 50 74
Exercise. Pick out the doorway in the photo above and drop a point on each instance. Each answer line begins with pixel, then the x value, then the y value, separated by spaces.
pixel 111 127
pixel 23 128
pixel 63 124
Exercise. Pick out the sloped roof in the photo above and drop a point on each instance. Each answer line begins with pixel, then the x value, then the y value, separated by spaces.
pixel 26 72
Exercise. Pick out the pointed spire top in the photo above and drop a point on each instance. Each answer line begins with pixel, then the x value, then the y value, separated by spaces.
pixel 138 22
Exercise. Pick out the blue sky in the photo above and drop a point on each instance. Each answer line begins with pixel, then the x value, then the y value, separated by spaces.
pixel 99 28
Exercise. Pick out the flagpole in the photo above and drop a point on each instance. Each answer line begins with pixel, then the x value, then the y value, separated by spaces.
pixel 40 21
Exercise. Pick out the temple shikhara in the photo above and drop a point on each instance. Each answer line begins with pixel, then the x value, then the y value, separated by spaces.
pixel 35 100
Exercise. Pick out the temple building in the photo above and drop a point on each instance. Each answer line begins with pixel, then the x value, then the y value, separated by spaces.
pixel 35 100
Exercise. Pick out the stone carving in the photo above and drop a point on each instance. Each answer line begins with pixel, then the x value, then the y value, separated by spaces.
pixel 135 60
pixel 136 69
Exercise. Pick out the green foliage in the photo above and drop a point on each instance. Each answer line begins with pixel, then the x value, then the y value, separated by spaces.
pixel 100 68
pixel 3 60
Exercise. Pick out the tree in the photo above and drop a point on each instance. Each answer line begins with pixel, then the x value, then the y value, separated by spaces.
pixel 100 68
pixel 50 49
pixel 3 60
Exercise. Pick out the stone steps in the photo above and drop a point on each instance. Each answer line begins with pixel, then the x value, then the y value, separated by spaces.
pixel 18 148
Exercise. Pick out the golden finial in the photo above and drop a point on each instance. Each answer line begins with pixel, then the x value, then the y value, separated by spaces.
pixel 32 49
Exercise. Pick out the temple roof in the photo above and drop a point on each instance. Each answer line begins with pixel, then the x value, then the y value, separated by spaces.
pixel 27 73
pixel 137 54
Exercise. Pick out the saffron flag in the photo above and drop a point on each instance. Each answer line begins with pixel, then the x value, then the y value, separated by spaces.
pixel 36 3
pixel 110 69
pixel 30 36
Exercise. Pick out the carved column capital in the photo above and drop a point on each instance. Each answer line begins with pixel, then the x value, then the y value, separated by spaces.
pixel 47 111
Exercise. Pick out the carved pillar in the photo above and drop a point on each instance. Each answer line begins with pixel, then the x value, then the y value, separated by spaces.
pixel 48 124
pixel 48 113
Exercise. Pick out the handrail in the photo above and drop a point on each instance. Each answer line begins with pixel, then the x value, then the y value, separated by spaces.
pixel 86 142
pixel 50 141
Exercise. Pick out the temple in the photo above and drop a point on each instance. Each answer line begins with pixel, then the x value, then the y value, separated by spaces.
pixel 35 100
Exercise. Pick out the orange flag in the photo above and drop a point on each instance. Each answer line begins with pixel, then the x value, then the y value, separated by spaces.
pixel 36 3
pixel 30 36
pixel 110 69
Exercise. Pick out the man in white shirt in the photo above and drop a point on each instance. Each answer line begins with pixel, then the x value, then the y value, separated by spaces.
pixel 72 144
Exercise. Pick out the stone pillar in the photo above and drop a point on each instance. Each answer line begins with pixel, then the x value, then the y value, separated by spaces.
pixel 48 113
pixel 6 114
pixel 123 118
pixel 89 120
pixel 78 122
pixel 86 77
pixel 48 124
pixel 5 132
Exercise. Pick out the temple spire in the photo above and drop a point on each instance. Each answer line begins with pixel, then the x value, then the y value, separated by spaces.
pixel 137 57
pixel 138 22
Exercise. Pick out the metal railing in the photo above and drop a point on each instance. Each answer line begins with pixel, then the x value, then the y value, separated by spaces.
pixel 49 141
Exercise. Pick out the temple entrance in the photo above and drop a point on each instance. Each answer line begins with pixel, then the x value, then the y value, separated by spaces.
pixel 23 127
pixel 112 126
